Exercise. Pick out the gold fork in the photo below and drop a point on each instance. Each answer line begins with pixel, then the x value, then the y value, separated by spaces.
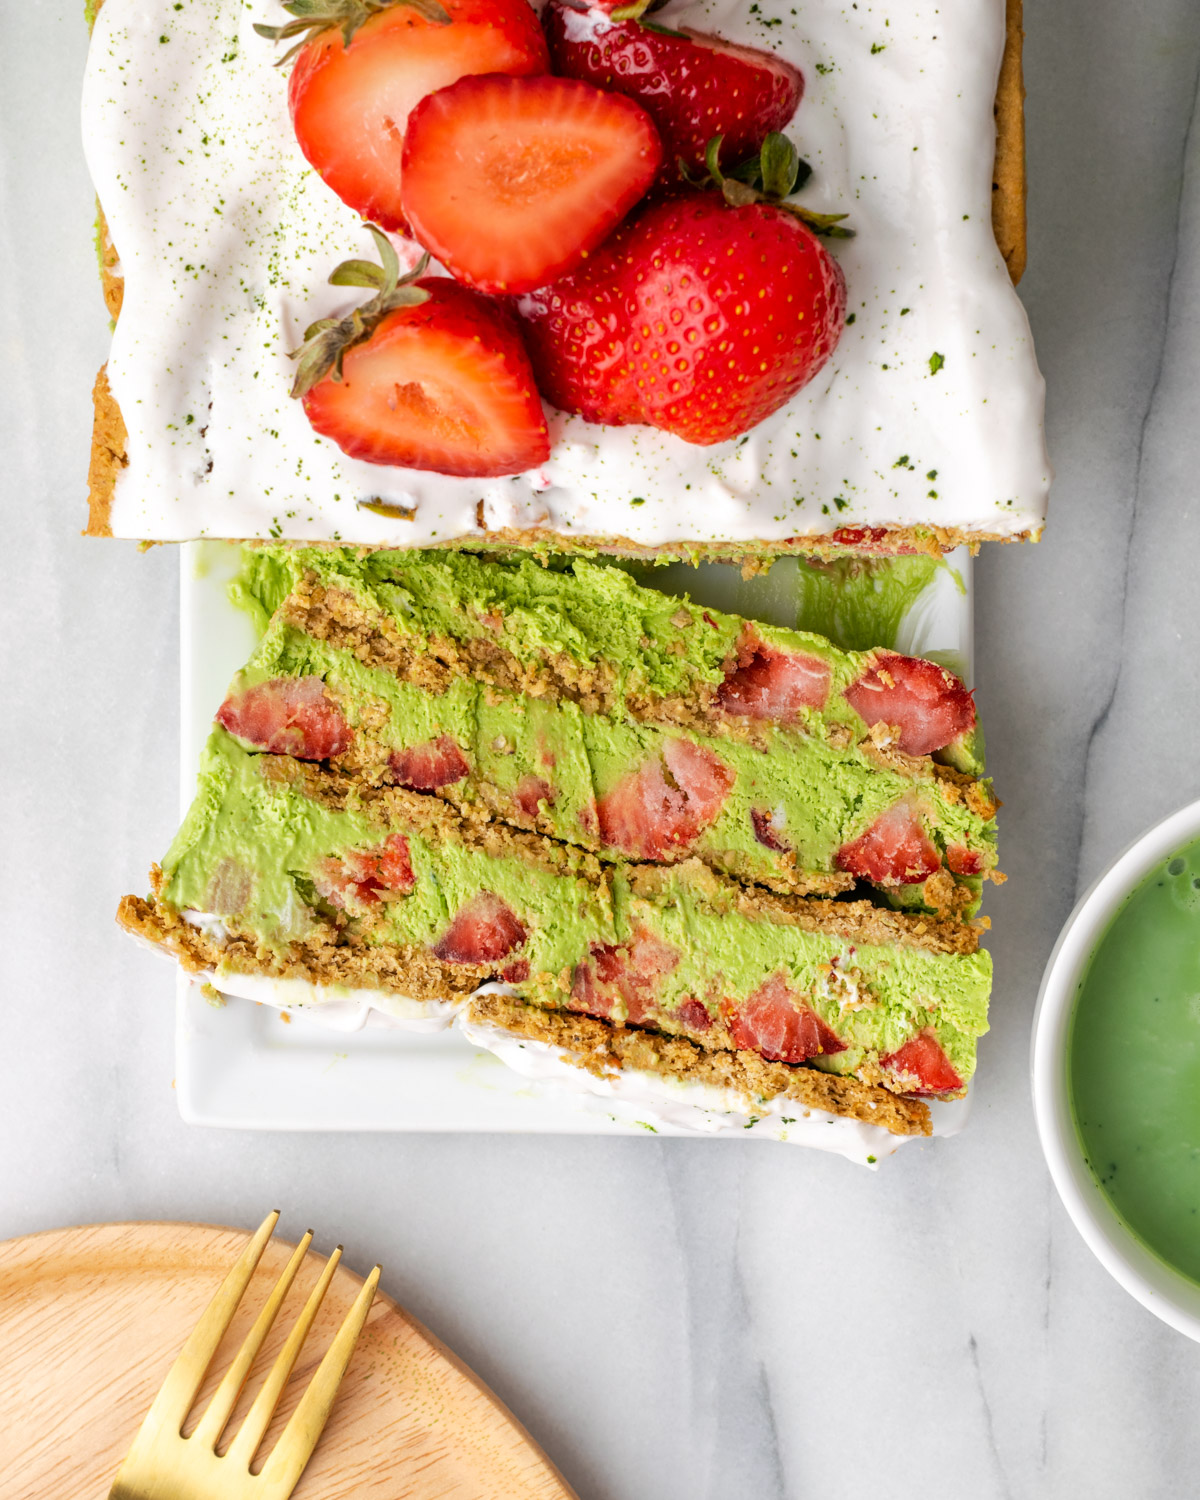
pixel 165 1465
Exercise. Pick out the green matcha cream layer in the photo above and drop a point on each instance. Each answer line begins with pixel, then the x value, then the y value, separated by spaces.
pixel 285 869
pixel 696 734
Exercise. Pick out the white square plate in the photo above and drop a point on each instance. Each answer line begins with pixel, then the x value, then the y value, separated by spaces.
pixel 251 1067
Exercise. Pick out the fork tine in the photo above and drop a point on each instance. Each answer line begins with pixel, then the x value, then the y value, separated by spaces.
pixel 186 1375
pixel 213 1423
pixel 258 1419
pixel 298 1439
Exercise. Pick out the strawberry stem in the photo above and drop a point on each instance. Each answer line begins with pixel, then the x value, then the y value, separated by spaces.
pixel 770 177
pixel 311 17
pixel 327 341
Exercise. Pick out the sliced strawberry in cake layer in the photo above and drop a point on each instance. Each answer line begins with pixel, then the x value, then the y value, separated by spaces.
pixel 531 791
pixel 771 684
pixel 766 832
pixel 922 1067
pixel 287 716
pixel 963 861
pixel 660 809
pixel 894 850
pixel 619 981
pixel 355 82
pixel 428 766
pixel 928 705
pixel 694 85
pixel 482 932
pixel 776 1023
pixel 367 875
pixel 511 182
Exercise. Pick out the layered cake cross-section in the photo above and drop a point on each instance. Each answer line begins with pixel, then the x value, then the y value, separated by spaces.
pixel 647 835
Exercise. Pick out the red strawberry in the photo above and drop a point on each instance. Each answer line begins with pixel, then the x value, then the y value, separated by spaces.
pixel 771 684
pixel 872 539
pixel 619 980
pixel 922 1061
pixel 929 705
pixel 441 384
pixel 765 831
pixel 650 817
pixel 482 932
pixel 364 875
pixel 774 1022
pixel 350 100
pixel 427 766
pixel 287 716
pixel 964 861
pixel 694 85
pixel 512 182
pixel 895 849
pixel 694 316
pixel 530 791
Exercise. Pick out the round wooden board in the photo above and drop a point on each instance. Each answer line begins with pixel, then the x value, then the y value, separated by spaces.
pixel 92 1318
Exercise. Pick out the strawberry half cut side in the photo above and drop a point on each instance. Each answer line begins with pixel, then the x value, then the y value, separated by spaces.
pixel 444 385
pixel 771 684
pixel 430 765
pixel 350 99
pixel 287 716
pixel 484 931
pixel 927 704
pixel 775 1023
pixel 510 182
pixel 693 85
pixel 922 1062
pixel 894 850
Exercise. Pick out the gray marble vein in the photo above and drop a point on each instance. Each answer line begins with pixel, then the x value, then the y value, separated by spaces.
pixel 701 1320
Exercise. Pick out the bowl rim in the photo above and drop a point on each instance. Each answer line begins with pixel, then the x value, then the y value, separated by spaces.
pixel 1161 1289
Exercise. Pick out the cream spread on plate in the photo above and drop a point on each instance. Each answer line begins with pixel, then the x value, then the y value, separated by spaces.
pixel 929 412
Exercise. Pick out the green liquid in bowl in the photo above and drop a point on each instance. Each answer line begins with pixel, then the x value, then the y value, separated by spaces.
pixel 1134 1062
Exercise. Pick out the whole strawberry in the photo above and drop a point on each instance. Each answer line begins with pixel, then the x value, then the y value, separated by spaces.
pixel 693 85
pixel 697 316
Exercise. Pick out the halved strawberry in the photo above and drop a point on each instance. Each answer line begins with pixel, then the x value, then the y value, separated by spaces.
pixel 694 85
pixel 287 716
pixel 367 875
pixel 619 981
pixel 771 684
pixel 430 765
pixel 964 861
pixel 926 703
pixel 922 1062
pixel 776 1023
pixel 693 316
pixel 428 375
pixel 530 792
pixel 482 932
pixel 650 817
pixel 511 182
pixel 894 850
pixel 356 80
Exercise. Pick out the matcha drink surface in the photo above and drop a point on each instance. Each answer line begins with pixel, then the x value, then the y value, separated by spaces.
pixel 1134 1062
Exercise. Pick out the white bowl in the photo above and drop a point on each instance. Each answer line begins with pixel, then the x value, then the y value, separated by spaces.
pixel 1167 1293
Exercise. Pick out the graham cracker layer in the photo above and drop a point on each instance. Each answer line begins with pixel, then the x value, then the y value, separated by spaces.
pixel 602 1049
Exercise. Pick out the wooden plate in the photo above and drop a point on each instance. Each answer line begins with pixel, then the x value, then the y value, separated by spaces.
pixel 91 1319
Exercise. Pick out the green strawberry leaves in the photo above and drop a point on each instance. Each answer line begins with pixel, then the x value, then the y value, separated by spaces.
pixel 327 341
pixel 772 177
pixel 311 17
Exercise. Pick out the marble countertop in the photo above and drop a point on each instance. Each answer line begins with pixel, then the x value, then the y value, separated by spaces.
pixel 669 1318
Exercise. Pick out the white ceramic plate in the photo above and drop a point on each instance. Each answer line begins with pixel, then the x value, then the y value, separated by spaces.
pixel 244 1065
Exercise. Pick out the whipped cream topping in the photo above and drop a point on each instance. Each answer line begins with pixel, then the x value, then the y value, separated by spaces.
pixel 929 412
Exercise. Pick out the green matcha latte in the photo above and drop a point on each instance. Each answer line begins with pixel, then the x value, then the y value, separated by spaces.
pixel 1133 1062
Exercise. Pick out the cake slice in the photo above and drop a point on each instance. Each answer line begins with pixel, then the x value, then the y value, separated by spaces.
pixel 627 722
pixel 286 871
pixel 361 831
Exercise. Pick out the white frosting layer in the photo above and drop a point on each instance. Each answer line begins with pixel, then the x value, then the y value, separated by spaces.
pixel 226 238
